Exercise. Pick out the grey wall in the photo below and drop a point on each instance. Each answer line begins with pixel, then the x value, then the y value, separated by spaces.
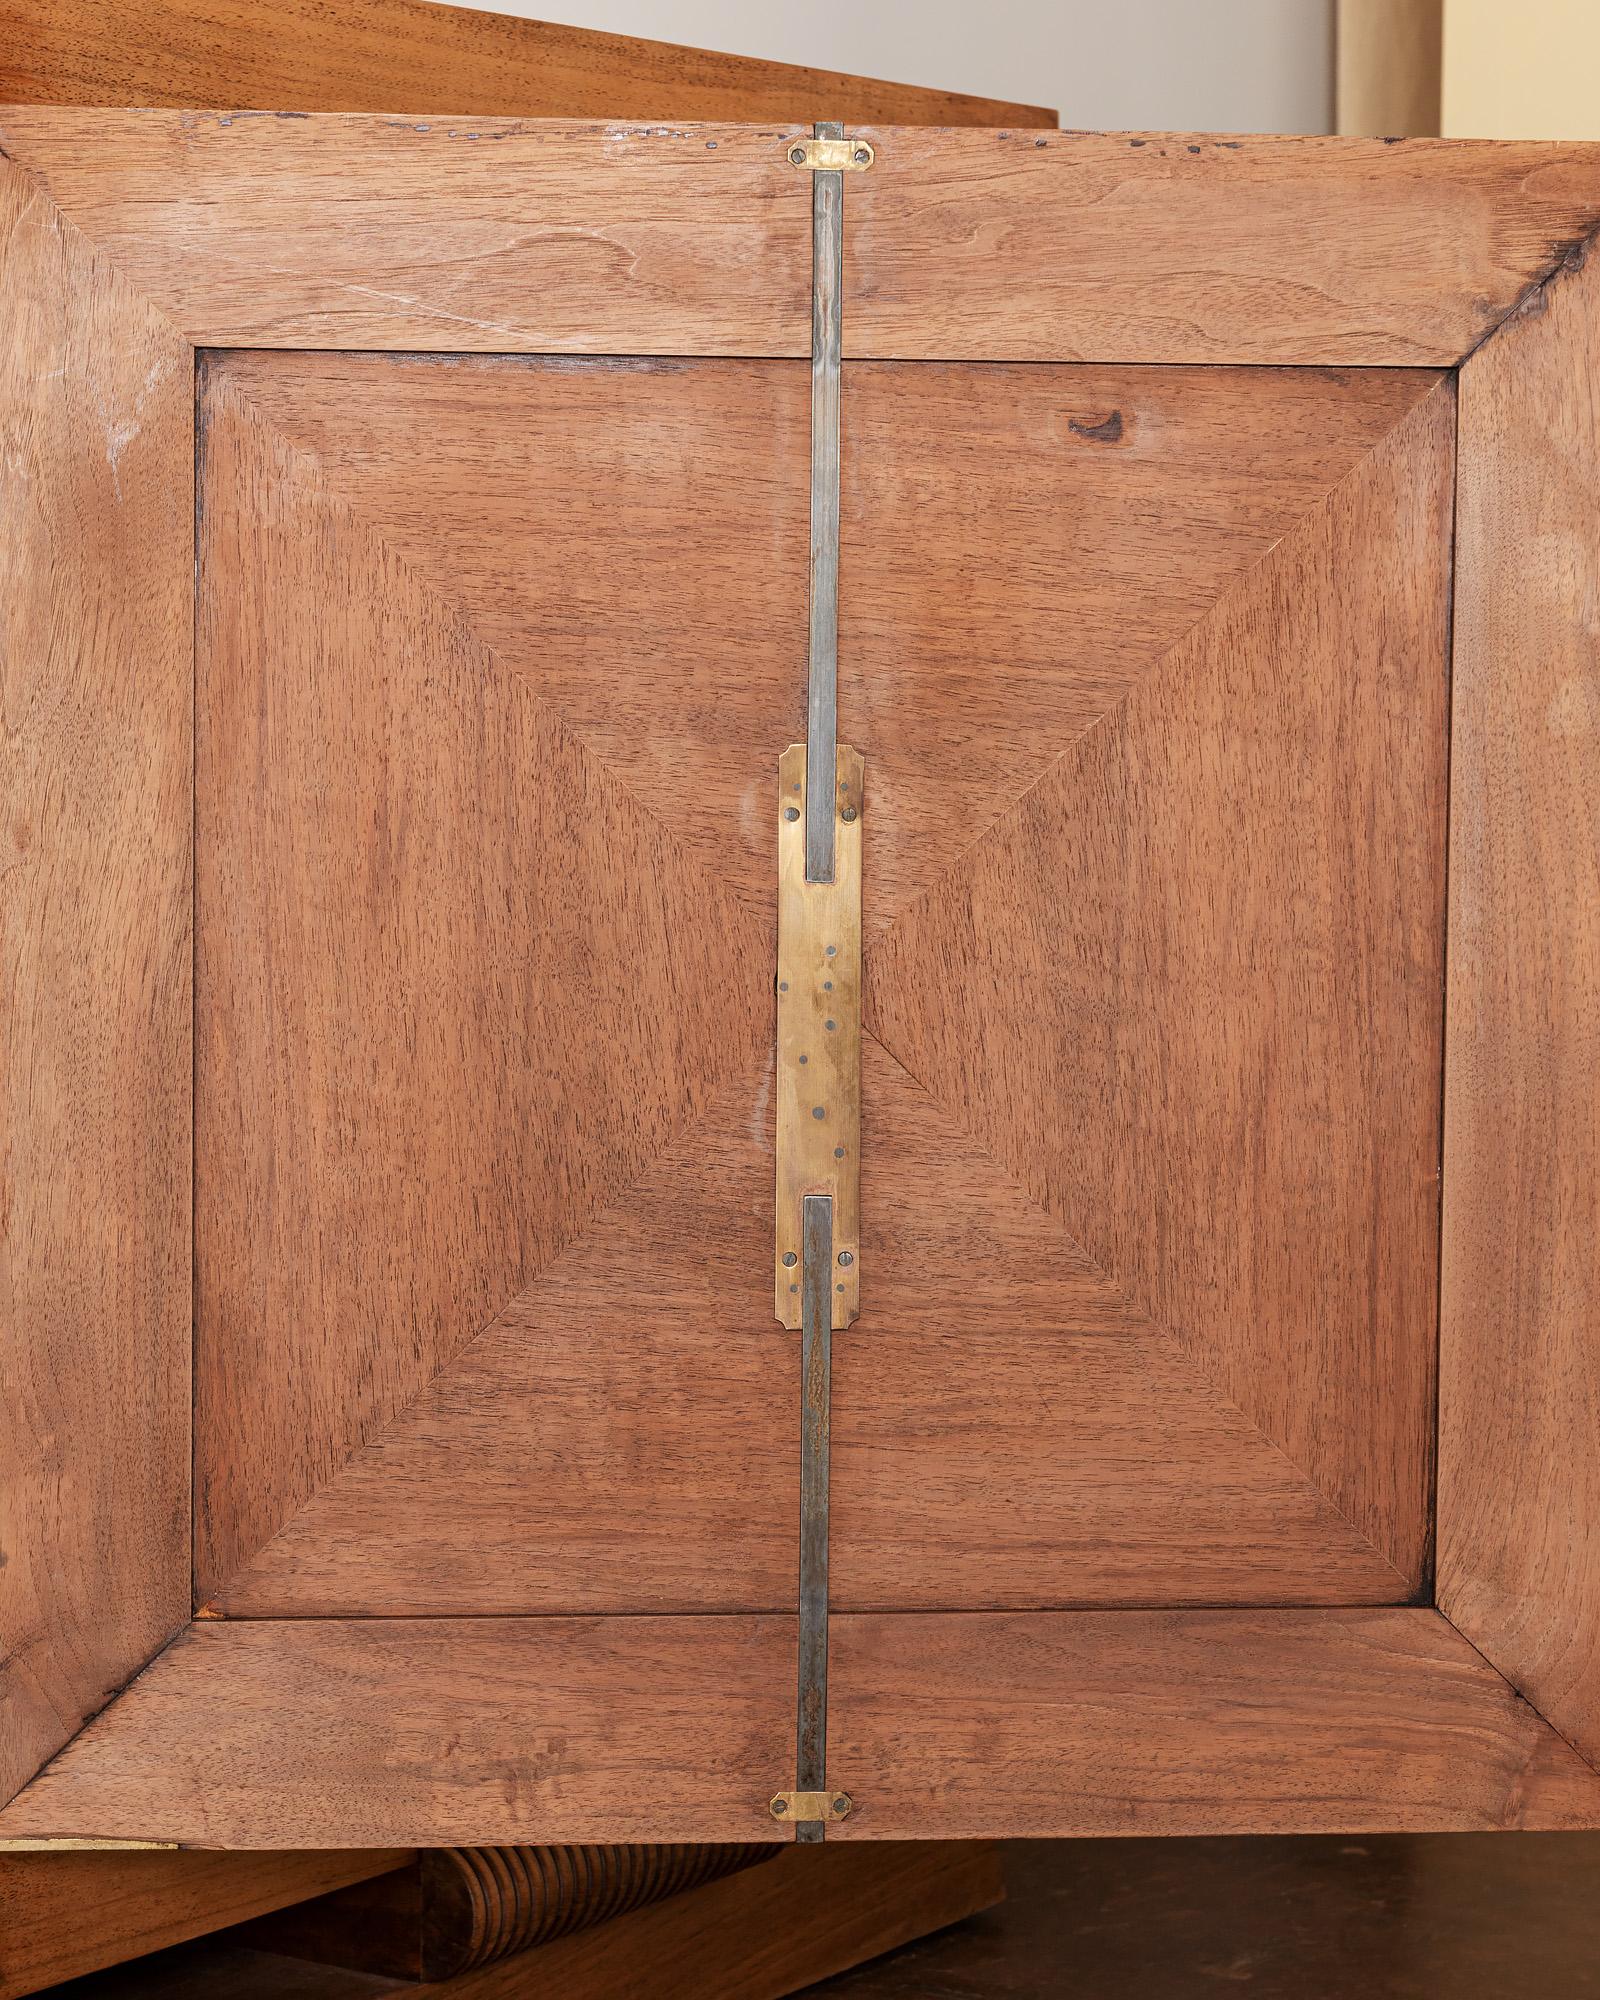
pixel 1202 65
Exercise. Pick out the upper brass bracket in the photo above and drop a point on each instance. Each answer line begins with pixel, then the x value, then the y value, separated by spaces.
pixel 832 156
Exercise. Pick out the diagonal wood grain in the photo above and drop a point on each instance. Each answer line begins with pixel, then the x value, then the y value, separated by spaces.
pixel 618 1439
pixel 1199 967
pixel 629 536
pixel 1020 544
pixel 1187 1722
pixel 468 1732
pixel 1175 246
pixel 455 987
pixel 1519 1390
pixel 1009 1430
pixel 96 502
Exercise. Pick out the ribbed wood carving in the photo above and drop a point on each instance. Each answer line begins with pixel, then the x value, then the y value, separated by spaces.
pixel 480 1904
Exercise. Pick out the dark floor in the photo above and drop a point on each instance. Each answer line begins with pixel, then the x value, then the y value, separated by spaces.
pixel 1439 1917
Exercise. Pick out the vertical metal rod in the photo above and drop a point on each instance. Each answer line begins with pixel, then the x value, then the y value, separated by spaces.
pixel 822 707
pixel 816 1366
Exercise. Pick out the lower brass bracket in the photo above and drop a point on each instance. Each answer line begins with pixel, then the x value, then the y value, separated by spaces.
pixel 806 1808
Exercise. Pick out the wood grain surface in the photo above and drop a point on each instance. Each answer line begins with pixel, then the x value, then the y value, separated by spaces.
pixel 1019 546
pixel 1519 1473
pixel 1180 1722
pixel 619 1438
pixel 1018 246
pixel 1010 1429
pixel 433 234
pixel 459 987
pixel 62 1915
pixel 628 537
pixel 1186 991
pixel 499 235
pixel 403 55
pixel 95 683
pixel 469 1732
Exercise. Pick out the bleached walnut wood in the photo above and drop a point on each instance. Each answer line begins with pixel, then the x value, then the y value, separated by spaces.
pixel 1519 1471
pixel 498 235
pixel 459 989
pixel 1185 992
pixel 1020 246
pixel 1067 1724
pixel 96 496
pixel 473 1732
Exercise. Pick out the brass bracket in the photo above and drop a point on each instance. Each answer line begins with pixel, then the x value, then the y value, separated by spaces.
pixel 832 156
pixel 819 1036
pixel 806 1808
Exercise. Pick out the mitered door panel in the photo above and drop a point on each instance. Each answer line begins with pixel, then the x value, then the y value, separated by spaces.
pixel 474 1009
pixel 1172 997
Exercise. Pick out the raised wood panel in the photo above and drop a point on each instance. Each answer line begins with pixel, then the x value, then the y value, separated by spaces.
pixel 1202 961
pixel 1017 246
pixel 443 1732
pixel 1011 1430
pixel 1519 1474
pixel 1020 544
pixel 1184 1722
pixel 629 538
pixel 404 55
pixel 620 1438
pixel 95 678
pixel 436 234
pixel 62 1915
pixel 496 235
pixel 457 986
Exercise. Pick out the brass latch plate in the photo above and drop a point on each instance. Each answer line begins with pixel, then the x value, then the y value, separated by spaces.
pixel 806 1808
pixel 832 156
pixel 819 1036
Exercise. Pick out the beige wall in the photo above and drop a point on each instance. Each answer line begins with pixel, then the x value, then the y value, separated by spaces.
pixel 1522 69
pixel 1202 65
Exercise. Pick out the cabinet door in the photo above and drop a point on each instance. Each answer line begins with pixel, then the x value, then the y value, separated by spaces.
pixel 416 542
pixel 1151 665
pixel 490 653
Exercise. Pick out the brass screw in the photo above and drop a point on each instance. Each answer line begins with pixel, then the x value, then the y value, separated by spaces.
pixel 841 1804
pixel 862 156
pixel 798 155
pixel 791 812
pixel 779 1808
pixel 848 814
pixel 788 1258
pixel 846 1258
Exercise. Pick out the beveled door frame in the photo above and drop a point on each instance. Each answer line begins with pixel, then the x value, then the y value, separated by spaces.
pixel 133 240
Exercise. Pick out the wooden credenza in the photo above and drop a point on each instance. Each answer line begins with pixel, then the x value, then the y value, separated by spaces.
pixel 409 596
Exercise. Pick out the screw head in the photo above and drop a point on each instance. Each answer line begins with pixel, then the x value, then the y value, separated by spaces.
pixel 847 1257
pixel 798 155
pixel 779 1808
pixel 789 1259
pixel 841 1804
pixel 791 812
pixel 862 156
pixel 848 814
pixel 817 1111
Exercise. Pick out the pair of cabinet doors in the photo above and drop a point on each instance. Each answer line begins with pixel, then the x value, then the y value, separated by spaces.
pixel 410 611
